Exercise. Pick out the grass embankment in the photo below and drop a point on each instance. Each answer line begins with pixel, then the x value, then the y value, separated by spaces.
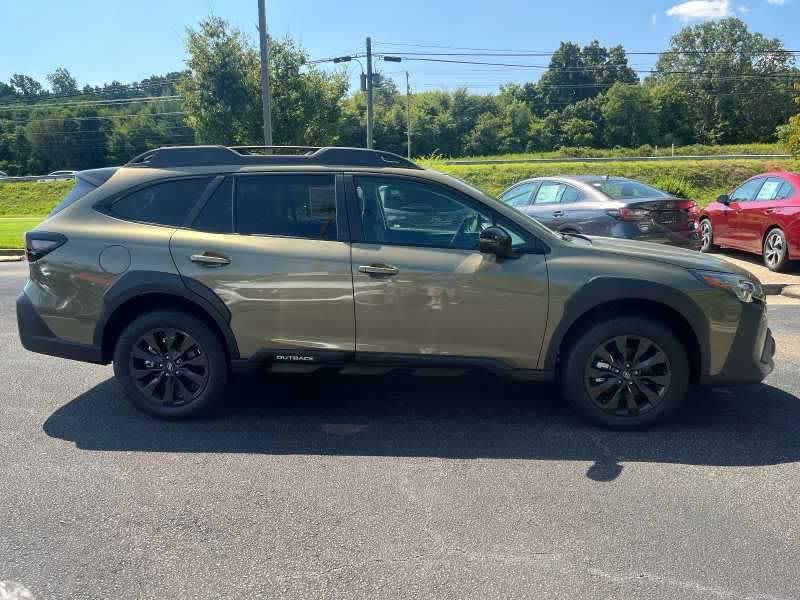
pixel 23 205
pixel 707 179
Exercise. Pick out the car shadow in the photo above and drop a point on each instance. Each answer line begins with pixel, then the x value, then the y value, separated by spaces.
pixel 474 416
pixel 755 260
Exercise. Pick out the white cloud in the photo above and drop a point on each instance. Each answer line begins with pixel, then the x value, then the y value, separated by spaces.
pixel 776 2
pixel 701 10
pixel 744 9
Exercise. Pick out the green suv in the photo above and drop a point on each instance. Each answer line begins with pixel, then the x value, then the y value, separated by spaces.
pixel 188 263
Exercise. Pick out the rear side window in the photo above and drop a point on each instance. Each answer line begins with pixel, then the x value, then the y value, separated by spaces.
pixel 217 214
pixel 287 205
pixel 786 191
pixel 78 191
pixel 166 203
pixel 770 189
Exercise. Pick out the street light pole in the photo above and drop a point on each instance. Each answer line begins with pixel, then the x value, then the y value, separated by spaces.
pixel 408 115
pixel 266 101
pixel 369 93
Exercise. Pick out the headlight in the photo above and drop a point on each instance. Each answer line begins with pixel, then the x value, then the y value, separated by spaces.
pixel 744 288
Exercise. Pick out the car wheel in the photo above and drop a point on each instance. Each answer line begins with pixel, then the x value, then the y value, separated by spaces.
pixel 171 365
pixel 776 252
pixel 626 373
pixel 706 236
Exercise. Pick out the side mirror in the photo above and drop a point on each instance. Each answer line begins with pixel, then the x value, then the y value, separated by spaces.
pixel 496 240
pixel 724 199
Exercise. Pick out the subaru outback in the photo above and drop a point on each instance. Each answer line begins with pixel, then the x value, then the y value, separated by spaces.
pixel 189 263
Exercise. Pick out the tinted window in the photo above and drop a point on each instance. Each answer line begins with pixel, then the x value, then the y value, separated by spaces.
pixel 570 194
pixel 519 196
pixel 770 189
pixel 412 213
pixel 786 191
pixel 626 189
pixel 166 203
pixel 549 193
pixel 217 214
pixel 747 191
pixel 287 205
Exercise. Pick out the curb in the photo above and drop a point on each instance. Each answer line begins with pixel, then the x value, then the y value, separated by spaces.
pixel 14 258
pixel 791 291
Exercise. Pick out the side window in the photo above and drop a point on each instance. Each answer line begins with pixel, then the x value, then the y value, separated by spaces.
pixel 747 191
pixel 217 214
pixel 412 213
pixel 570 195
pixel 770 189
pixel 786 191
pixel 549 193
pixel 519 196
pixel 287 205
pixel 166 203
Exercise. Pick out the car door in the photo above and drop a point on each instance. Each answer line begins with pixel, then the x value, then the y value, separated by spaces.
pixel 422 288
pixel 274 248
pixel 740 198
pixel 754 216
pixel 546 206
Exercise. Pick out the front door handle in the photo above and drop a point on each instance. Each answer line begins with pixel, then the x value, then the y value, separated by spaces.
pixel 378 269
pixel 558 213
pixel 210 260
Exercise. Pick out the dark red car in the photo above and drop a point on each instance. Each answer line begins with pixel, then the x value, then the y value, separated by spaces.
pixel 761 216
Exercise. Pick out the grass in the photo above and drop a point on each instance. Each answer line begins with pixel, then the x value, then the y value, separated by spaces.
pixel 12 230
pixel 31 198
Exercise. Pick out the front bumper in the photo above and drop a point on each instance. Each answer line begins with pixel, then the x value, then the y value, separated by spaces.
pixel 36 336
pixel 752 355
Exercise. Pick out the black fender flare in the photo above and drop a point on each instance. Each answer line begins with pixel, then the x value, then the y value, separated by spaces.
pixel 139 283
pixel 605 290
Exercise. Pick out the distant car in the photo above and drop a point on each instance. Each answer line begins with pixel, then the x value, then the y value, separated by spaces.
pixel 760 216
pixel 607 206
pixel 62 174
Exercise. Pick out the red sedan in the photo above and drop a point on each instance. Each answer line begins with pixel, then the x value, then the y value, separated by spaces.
pixel 760 216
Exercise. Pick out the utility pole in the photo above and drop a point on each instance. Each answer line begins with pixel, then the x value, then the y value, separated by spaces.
pixel 369 92
pixel 408 115
pixel 266 101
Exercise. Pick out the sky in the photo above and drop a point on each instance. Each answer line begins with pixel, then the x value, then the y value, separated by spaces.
pixel 104 40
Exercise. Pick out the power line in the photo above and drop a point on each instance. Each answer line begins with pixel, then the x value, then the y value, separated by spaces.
pixel 111 102
pixel 110 117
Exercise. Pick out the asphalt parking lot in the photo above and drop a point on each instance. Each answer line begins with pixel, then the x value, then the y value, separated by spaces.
pixel 391 487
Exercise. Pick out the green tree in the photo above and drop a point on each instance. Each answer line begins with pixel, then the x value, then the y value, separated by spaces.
pixel 62 82
pixel 736 80
pixel 629 116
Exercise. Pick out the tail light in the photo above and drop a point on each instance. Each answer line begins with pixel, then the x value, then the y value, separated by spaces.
pixel 630 214
pixel 41 243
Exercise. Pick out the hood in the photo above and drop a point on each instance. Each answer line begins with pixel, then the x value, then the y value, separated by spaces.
pixel 681 257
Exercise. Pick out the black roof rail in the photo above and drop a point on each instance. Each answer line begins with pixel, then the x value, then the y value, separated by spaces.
pixel 195 156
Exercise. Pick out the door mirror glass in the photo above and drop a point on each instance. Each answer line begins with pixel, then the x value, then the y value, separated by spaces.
pixel 724 199
pixel 496 240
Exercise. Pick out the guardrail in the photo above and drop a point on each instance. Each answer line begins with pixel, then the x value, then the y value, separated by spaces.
pixel 36 178
pixel 604 159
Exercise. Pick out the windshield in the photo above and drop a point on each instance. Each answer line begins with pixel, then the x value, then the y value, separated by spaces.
pixel 625 189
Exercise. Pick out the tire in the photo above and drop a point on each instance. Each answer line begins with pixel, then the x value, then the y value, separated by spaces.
pixel 707 236
pixel 776 251
pixel 193 365
pixel 649 394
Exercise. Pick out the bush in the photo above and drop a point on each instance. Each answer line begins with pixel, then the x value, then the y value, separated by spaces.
pixel 676 185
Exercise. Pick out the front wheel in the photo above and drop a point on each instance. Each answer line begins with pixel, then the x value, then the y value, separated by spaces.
pixel 626 373
pixel 776 251
pixel 171 365
pixel 707 236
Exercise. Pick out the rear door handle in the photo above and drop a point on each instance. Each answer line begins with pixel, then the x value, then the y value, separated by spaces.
pixel 378 269
pixel 210 260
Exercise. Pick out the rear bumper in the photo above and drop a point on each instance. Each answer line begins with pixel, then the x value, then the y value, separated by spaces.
pixel 752 354
pixel 688 238
pixel 36 336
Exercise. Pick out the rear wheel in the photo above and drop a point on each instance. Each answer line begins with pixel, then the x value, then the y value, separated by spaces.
pixel 171 365
pixel 776 251
pixel 626 373
pixel 707 236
